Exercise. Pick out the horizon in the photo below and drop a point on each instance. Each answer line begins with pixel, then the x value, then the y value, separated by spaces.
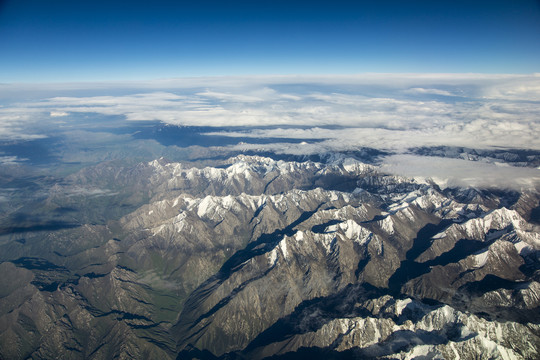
pixel 285 76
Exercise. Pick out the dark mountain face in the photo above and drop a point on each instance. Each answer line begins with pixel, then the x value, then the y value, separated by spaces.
pixel 255 258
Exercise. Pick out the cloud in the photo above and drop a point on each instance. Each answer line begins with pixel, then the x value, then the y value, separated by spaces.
pixel 58 113
pixel 384 111
pixel 419 90
pixel 253 95
pixel 476 134
pixel 448 172
pixel 331 113
pixel 11 160
pixel 16 124
pixel 82 191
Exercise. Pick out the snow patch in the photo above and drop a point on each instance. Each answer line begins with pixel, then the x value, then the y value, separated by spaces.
pixel 401 305
pixel 481 259
pixel 325 240
pixel 440 235
pixel 387 225
pixel 425 352
pixel 272 257
pixel 353 231
pixel 204 206
pixel 283 247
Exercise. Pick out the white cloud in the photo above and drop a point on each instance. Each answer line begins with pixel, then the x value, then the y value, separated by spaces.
pixel 418 90
pixel 11 160
pixel 87 192
pixel 252 95
pixel 58 113
pixel 448 172
pixel 479 134
pixel 382 111
pixel 15 124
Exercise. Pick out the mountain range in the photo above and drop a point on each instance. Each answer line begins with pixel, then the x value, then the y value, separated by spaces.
pixel 258 256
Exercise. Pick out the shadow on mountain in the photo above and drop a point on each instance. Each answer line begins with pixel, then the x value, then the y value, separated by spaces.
pixel 401 340
pixel 264 244
pixel 491 283
pixel 33 263
pixel 52 225
pixel 311 315
pixel 47 275
pixel 535 215
pixel 532 265
pixel 409 269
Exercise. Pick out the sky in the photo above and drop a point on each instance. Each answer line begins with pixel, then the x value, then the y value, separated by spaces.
pixel 70 41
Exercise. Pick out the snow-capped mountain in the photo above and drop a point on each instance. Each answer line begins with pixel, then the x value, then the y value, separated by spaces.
pixel 253 257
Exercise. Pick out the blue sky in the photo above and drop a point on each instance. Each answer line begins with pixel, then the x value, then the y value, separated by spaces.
pixel 59 40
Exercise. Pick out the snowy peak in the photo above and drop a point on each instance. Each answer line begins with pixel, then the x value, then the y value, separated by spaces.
pixel 257 257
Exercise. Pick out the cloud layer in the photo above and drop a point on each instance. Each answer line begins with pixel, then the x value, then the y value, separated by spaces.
pixel 458 172
pixel 381 111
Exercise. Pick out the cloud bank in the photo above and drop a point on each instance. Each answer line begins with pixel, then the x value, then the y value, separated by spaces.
pixel 447 172
pixel 392 112
pixel 381 111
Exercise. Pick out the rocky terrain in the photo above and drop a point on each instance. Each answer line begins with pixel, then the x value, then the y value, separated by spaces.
pixel 253 257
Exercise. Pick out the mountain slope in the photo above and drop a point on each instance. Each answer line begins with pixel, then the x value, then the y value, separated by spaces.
pixel 254 257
